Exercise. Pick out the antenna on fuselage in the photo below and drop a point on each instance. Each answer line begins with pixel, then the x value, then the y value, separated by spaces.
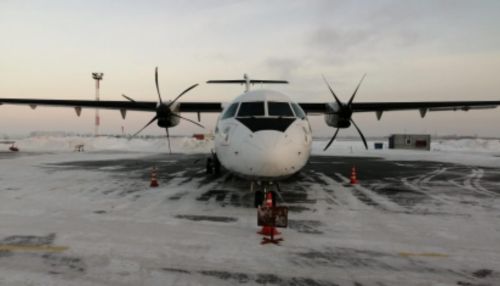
pixel 247 81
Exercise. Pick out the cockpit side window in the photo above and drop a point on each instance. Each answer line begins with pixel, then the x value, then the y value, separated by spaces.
pixel 298 110
pixel 255 108
pixel 279 109
pixel 231 111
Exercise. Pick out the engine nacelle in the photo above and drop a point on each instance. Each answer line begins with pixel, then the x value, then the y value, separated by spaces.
pixel 166 117
pixel 337 121
pixel 337 116
pixel 169 121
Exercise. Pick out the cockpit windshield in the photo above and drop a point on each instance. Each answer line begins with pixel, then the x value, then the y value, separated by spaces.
pixel 254 108
pixel 298 111
pixel 279 109
pixel 231 111
pixel 258 108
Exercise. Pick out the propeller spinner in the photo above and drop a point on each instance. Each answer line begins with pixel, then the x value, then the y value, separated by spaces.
pixel 165 116
pixel 345 113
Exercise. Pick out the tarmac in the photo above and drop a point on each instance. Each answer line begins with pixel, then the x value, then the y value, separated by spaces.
pixel 92 219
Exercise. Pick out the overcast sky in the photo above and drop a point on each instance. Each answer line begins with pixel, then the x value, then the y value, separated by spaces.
pixel 411 51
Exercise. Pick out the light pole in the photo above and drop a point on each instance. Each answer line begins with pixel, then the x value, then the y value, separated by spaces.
pixel 98 77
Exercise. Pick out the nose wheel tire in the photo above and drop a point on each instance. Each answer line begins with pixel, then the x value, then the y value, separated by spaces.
pixel 210 166
pixel 274 194
pixel 216 166
pixel 259 198
pixel 213 166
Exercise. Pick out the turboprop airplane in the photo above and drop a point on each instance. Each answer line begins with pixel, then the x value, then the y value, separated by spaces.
pixel 262 135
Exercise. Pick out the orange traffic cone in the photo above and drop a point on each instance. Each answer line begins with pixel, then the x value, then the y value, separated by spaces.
pixel 154 180
pixel 269 230
pixel 354 179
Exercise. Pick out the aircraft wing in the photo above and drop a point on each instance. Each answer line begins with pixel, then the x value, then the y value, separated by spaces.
pixel 119 105
pixel 423 106
pixel 252 81
pixel 311 108
pixel 429 105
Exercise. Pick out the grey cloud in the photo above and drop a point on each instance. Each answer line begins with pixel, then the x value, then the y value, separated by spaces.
pixel 368 30
pixel 283 66
pixel 360 30
pixel 339 46
pixel 336 41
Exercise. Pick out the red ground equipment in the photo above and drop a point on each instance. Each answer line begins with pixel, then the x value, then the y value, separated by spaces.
pixel 199 136
pixel 271 217
pixel 269 230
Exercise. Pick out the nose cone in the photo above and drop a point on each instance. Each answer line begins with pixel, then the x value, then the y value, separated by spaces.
pixel 272 154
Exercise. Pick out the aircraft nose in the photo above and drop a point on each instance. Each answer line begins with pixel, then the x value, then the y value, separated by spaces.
pixel 272 156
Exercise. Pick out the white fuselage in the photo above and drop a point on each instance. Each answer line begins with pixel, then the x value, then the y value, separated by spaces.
pixel 263 135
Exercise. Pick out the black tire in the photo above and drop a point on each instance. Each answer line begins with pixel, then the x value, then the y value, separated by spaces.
pixel 210 166
pixel 275 198
pixel 216 167
pixel 259 198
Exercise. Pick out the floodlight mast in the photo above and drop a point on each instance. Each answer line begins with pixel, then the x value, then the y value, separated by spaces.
pixel 98 77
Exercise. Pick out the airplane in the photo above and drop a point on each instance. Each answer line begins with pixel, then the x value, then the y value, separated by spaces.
pixel 262 135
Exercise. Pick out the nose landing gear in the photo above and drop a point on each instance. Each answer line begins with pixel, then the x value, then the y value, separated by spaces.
pixel 213 165
pixel 261 193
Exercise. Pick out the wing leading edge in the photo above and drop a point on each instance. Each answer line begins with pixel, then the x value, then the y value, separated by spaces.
pixel 118 105
pixel 309 107
pixel 423 107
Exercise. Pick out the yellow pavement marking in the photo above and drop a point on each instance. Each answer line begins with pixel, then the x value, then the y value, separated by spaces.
pixel 423 254
pixel 32 248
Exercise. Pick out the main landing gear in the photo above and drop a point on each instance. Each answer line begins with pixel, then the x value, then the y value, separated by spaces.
pixel 264 188
pixel 213 165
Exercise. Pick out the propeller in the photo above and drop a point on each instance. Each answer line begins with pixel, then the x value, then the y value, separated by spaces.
pixel 331 140
pixel 164 111
pixel 345 111
pixel 168 140
pixel 149 123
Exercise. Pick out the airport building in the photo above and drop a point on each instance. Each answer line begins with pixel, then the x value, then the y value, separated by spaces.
pixel 410 141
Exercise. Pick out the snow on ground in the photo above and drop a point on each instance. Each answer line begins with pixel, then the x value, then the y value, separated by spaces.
pixel 481 152
pixel 484 152
pixel 90 218
pixel 108 143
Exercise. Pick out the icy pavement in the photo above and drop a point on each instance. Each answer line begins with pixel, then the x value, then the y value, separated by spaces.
pixel 91 219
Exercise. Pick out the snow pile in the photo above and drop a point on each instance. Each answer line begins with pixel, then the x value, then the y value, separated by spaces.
pixel 480 152
pixel 104 143
pixel 471 145
pixel 442 145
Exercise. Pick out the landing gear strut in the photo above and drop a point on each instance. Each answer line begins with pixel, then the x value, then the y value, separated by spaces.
pixel 213 165
pixel 260 194
pixel 259 198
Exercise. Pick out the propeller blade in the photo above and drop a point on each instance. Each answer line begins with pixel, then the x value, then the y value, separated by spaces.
pixel 182 93
pixel 187 119
pixel 137 103
pixel 157 85
pixel 360 133
pixel 128 98
pixel 355 91
pixel 333 93
pixel 168 140
pixel 331 140
pixel 149 123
